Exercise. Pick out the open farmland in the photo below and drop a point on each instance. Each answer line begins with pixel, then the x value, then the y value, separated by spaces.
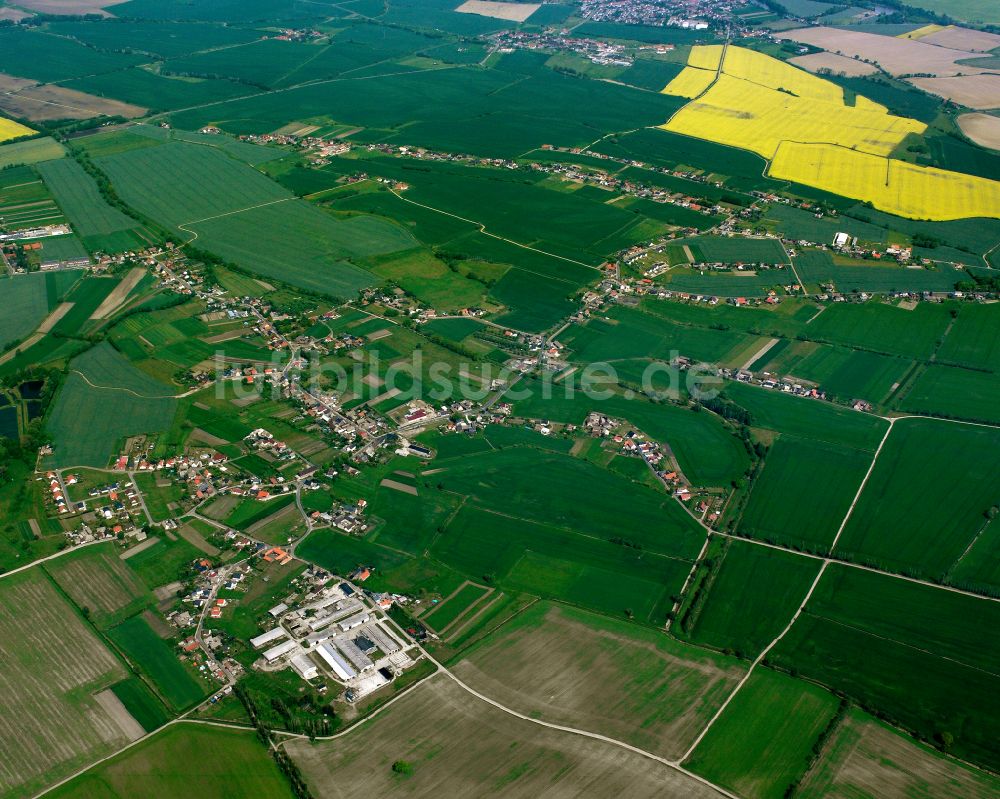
pixel 916 192
pixel 925 659
pixel 160 768
pixel 837 64
pixel 9 129
pixel 747 598
pixel 708 453
pixel 803 492
pixel 868 757
pixel 983 129
pixel 50 724
pixel 32 151
pixel 917 515
pixel 157 660
pixel 476 750
pixel 573 668
pixel 513 12
pixel 103 400
pixel 80 200
pixel 763 740
pixel 973 91
pixel 896 56
pixel 98 580
pixel 28 300
pixel 807 109
pixel 233 210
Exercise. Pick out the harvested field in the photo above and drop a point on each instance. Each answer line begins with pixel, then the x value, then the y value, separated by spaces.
pixel 512 12
pixel 41 102
pixel 974 91
pixel 461 746
pixel 50 321
pixel 141 547
pixel 868 758
pixel 983 129
pixel 96 579
pixel 963 39
pixel 50 723
pixel 895 56
pixel 117 297
pixel 113 706
pixel 397 486
pixel 837 64
pixel 70 7
pixel 193 537
pixel 571 667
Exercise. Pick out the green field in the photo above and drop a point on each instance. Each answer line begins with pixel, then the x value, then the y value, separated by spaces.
pixel 970 341
pixel 925 499
pixel 103 400
pixel 229 763
pixel 752 595
pixel 100 584
pixel 883 328
pixel 156 659
pixel 763 741
pixel 803 492
pixel 804 418
pixel 28 300
pixel 708 453
pixel 242 216
pixel 956 393
pixel 922 656
pixel 444 614
pixel 32 151
pixel 78 196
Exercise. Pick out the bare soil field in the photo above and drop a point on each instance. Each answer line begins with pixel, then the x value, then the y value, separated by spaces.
pixel 896 56
pixel 397 486
pixel 974 91
pixel 50 723
pixel 50 321
pixel 113 706
pixel 13 14
pixel 193 537
pixel 512 12
pixel 117 296
pixel 983 129
pixel 46 101
pixel 96 579
pixel 458 745
pixel 963 39
pixel 70 7
pixel 867 758
pixel 580 670
pixel 837 64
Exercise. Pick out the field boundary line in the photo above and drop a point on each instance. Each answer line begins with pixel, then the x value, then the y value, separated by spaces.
pixel 798 612
pixel 675 765
pixel 130 391
pixel 485 232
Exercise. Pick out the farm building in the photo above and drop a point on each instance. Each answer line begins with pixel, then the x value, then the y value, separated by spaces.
pixel 333 659
pixel 267 638
pixel 276 652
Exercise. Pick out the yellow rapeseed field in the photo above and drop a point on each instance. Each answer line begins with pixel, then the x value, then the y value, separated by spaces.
pixel 898 187
pixel 802 124
pixel 920 33
pixel 753 117
pixel 705 56
pixel 9 129
pixel 690 83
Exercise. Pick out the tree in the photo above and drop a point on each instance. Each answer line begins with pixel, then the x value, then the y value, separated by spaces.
pixel 402 767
